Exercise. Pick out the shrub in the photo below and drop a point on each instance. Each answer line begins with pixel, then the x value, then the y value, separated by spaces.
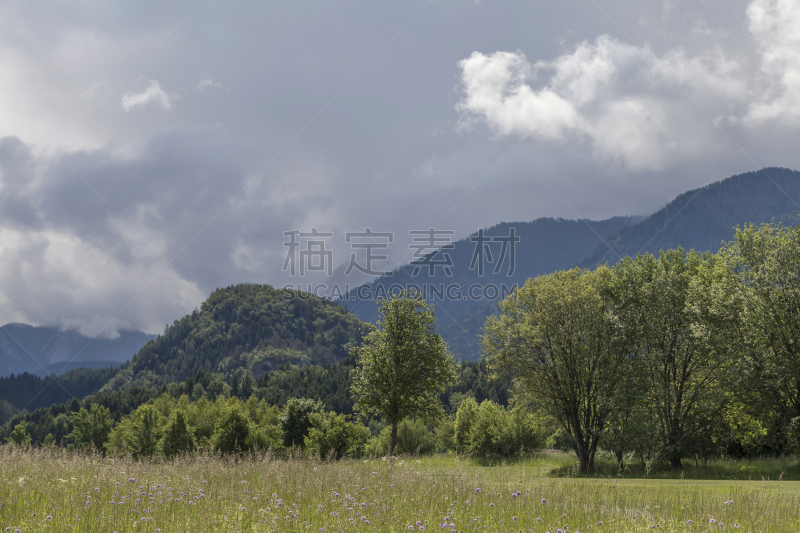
pixel 413 437
pixel 232 432
pixel 178 436
pixel 465 418
pixel 501 432
pixel 294 422
pixel 330 432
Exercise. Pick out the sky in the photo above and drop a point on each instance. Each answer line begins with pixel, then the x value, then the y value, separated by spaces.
pixel 151 152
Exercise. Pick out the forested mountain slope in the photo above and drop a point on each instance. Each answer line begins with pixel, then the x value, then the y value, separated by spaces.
pixel 699 219
pixel 246 326
pixel 545 245
pixel 702 218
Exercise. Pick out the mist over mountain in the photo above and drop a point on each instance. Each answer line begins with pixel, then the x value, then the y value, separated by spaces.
pixel 43 350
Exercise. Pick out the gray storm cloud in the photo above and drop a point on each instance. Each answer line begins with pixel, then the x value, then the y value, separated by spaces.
pixel 138 174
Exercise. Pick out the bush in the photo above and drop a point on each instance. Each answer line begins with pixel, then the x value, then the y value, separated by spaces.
pixel 491 429
pixel 266 437
pixel 330 432
pixel 465 418
pixel 413 437
pixel 445 435
pixel 232 432
pixel 178 436
pixel 294 421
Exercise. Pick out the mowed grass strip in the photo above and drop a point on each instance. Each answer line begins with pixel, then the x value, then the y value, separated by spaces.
pixel 55 490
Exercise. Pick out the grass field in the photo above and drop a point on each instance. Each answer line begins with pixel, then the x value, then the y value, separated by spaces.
pixel 53 490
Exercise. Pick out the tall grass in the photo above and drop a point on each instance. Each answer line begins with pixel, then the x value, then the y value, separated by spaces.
pixel 56 490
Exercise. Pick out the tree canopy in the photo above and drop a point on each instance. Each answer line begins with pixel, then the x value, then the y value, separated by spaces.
pixel 403 363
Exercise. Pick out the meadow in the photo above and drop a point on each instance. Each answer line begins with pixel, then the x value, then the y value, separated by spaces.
pixel 56 490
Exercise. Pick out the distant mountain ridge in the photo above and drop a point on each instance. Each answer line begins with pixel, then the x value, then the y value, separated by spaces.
pixel 699 219
pixel 44 349
pixel 544 245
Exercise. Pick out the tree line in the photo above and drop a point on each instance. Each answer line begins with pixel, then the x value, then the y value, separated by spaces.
pixel 685 355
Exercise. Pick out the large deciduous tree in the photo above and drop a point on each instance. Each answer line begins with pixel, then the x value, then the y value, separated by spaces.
pixel 403 363
pixel 670 307
pixel 557 337
pixel 91 428
pixel 765 261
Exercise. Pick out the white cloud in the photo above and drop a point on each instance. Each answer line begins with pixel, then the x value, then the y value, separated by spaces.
pixel 775 25
pixel 154 93
pixel 204 84
pixel 45 271
pixel 625 100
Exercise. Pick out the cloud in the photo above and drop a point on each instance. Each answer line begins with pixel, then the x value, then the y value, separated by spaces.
pixel 204 84
pixel 627 102
pixel 775 26
pixel 612 129
pixel 154 93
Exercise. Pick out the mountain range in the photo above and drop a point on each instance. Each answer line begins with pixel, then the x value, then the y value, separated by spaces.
pixel 699 219
pixel 258 328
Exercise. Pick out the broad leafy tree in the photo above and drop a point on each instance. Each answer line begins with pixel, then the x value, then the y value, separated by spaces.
pixel 19 436
pixel 91 428
pixel 145 432
pixel 178 436
pixel 294 421
pixel 667 305
pixel 558 339
pixel 403 364
pixel 766 263
pixel 232 431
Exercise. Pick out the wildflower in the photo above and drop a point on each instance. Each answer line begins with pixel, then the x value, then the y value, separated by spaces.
pixel 478 490
pixel 544 501
pixel 514 518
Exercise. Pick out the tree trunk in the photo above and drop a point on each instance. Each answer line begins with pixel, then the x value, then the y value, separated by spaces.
pixel 675 462
pixel 619 455
pixel 393 447
pixel 584 459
